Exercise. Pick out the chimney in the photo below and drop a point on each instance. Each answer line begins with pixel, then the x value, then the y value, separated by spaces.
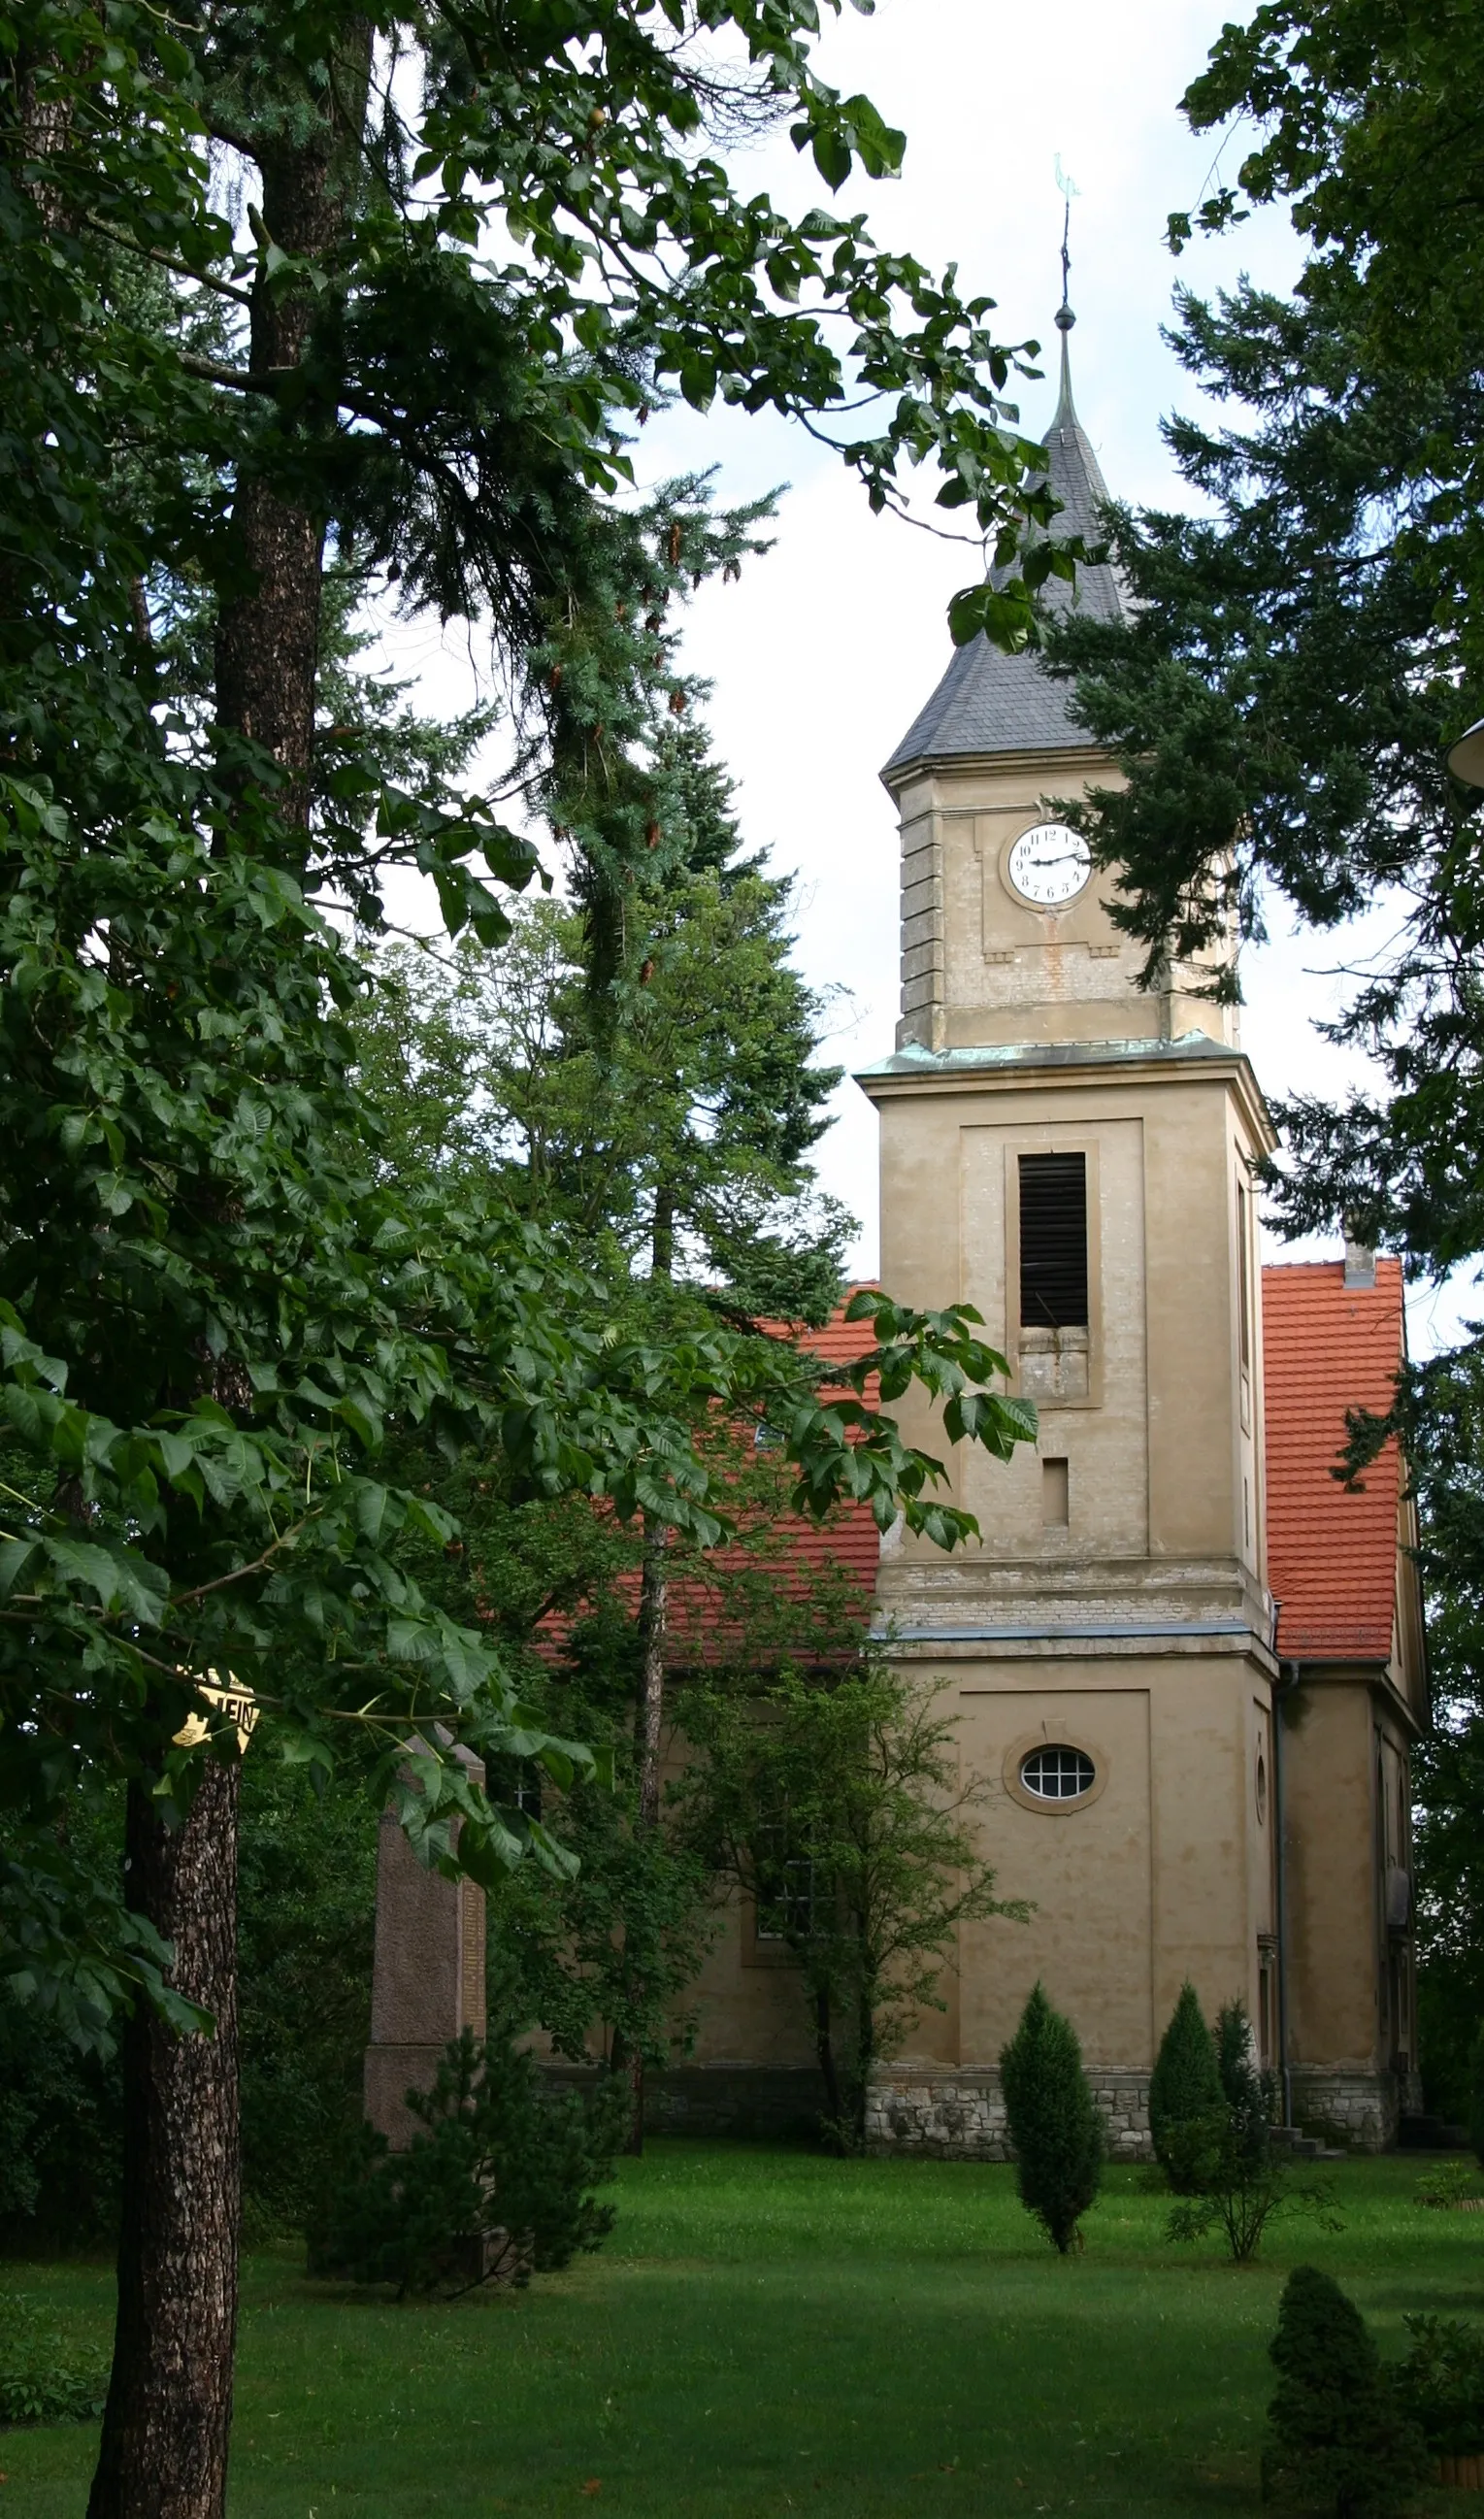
pixel 1359 1265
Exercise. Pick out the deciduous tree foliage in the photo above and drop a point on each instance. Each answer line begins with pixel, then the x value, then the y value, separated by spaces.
pixel 473 247
pixel 835 1805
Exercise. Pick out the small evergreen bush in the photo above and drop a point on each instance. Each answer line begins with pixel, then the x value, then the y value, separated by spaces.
pixel 1053 2121
pixel 1186 2082
pixel 1249 2093
pixel 45 2376
pixel 1342 2440
pixel 496 2186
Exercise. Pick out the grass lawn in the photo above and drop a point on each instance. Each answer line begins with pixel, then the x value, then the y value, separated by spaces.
pixel 767 2333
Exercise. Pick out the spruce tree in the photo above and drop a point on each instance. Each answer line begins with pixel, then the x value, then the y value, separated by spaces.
pixel 1053 2119
pixel 1186 2082
pixel 1340 2443
pixel 1241 2081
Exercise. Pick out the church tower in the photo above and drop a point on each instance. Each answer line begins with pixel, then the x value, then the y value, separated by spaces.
pixel 1074 1156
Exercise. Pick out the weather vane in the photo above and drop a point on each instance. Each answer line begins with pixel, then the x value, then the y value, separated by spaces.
pixel 1069 193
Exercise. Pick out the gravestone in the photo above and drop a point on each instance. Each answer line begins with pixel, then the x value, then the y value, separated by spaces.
pixel 429 1976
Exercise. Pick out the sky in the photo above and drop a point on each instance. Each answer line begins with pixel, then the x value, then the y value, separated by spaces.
pixel 821 656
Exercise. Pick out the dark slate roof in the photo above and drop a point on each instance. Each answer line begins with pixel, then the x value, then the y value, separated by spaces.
pixel 991 702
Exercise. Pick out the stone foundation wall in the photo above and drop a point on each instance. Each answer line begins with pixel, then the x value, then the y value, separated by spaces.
pixel 950 2115
pixel 760 2102
pixel 1362 2109
pixel 755 2102
pixel 945 2114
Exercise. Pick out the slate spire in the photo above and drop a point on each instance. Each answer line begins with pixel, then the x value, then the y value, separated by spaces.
pixel 988 702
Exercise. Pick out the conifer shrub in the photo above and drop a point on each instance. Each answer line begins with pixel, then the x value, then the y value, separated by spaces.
pixel 1223 2163
pixel 1248 2092
pixel 1342 2442
pixel 1053 2121
pixel 498 2184
pixel 1186 2082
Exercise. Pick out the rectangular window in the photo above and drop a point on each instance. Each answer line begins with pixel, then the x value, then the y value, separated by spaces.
pixel 1053 1242
pixel 1056 1496
pixel 1243 1282
pixel 785 1888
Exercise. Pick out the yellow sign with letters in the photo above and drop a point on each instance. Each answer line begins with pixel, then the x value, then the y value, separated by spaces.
pixel 231 1698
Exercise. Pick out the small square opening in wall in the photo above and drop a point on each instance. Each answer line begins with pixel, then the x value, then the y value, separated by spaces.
pixel 1056 1496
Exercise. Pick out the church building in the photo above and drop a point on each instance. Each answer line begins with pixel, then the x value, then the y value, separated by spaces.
pixel 1188 1658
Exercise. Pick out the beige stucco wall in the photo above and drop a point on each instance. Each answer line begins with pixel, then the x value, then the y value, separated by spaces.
pixel 752 2006
pixel 1141 1631
pixel 1347 1794
pixel 1165 1872
pixel 1165 1448
pixel 1332 1875
pixel 978 964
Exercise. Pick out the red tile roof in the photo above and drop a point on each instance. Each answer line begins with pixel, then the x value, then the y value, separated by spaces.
pixel 1332 1550
pixel 847 1542
pixel 701 1619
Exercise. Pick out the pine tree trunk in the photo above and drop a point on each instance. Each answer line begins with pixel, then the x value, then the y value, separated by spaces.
pixel 268 627
pixel 167 2420
pixel 169 2416
pixel 654 1615
pixel 860 2082
pixel 654 1590
pixel 654 1604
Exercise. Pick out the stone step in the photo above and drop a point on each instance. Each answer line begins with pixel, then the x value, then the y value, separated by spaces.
pixel 1298 2147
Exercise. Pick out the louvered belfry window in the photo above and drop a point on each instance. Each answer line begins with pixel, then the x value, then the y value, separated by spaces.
pixel 1054 1242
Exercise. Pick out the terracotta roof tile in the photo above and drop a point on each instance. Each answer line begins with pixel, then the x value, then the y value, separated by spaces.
pixel 847 1543
pixel 1331 1551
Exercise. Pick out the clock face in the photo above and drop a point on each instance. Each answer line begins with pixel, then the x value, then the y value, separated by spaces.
pixel 1049 864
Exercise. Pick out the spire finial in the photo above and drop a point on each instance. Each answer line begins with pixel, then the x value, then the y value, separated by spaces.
pixel 1065 318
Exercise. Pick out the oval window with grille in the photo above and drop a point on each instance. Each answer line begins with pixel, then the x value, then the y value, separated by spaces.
pixel 1058 1774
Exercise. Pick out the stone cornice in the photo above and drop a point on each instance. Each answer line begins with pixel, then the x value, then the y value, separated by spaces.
pixel 1071 762
pixel 1008 1066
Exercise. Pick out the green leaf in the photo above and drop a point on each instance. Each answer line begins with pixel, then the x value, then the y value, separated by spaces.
pixel 832 156
pixel 1003 616
pixel 15 1555
pixel 120 1580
